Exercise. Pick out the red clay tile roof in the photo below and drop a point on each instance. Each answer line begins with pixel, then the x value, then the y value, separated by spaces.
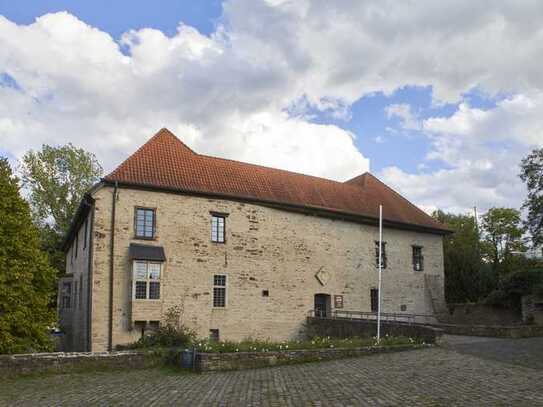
pixel 165 162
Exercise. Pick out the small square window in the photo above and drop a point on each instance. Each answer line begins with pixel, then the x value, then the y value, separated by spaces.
pixel 265 293
pixel 214 335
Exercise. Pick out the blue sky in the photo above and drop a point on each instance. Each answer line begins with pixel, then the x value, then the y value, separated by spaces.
pixel 426 106
pixel 116 17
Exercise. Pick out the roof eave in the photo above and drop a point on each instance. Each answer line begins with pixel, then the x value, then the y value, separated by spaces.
pixel 80 214
pixel 307 209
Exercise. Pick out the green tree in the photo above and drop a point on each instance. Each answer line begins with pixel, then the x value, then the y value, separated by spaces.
pixel 503 232
pixel 467 278
pixel 26 278
pixel 56 179
pixel 532 174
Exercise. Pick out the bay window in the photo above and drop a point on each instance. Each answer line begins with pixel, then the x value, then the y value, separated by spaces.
pixel 146 280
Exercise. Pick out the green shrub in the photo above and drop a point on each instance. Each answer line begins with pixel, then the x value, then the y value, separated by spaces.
pixel 171 334
pixel 515 286
pixel 250 345
pixel 497 297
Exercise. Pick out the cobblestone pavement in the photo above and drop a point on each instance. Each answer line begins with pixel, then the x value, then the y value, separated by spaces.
pixel 524 352
pixel 427 377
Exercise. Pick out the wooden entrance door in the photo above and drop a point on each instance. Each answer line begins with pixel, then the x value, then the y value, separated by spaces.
pixel 322 305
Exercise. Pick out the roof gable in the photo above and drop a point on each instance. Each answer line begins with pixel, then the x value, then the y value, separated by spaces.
pixel 165 162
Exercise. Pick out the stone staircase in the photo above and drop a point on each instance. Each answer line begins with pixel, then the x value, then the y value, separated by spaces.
pixel 436 289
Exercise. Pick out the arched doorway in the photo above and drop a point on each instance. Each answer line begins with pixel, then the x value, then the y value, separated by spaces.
pixel 322 305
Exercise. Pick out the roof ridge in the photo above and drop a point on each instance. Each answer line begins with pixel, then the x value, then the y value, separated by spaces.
pixel 162 132
pixel 167 132
pixel 273 168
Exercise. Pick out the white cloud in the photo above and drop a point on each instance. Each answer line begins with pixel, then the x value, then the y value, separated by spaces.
pixel 76 85
pixel 518 118
pixel 350 48
pixel 408 120
pixel 227 93
pixel 482 150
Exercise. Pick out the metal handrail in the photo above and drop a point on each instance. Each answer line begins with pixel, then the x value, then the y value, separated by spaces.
pixel 363 315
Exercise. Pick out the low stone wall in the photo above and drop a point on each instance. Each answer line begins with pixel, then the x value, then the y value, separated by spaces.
pixel 516 331
pixel 59 362
pixel 532 309
pixel 213 362
pixel 482 314
pixel 347 328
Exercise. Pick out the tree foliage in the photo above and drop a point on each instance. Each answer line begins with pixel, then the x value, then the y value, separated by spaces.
pixel 503 231
pixel 26 278
pixel 467 278
pixel 56 179
pixel 532 174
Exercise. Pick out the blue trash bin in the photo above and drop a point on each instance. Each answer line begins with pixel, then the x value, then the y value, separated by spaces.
pixel 187 358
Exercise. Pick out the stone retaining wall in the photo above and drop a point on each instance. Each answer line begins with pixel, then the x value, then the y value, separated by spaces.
pixel 482 314
pixel 212 362
pixel 59 362
pixel 347 328
pixel 518 331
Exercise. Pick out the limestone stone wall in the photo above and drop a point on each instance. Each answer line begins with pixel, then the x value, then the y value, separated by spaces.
pixel 73 362
pixel 265 249
pixel 216 362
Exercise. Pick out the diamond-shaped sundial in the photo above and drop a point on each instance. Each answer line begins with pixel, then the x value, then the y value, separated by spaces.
pixel 322 276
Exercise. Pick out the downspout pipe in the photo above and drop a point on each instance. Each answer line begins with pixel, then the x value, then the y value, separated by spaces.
pixel 90 279
pixel 112 266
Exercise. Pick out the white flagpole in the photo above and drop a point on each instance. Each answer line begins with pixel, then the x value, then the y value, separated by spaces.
pixel 380 267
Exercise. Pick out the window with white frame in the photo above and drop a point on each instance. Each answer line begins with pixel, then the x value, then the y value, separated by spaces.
pixel 217 228
pixel 146 280
pixel 418 258
pixel 145 223
pixel 383 254
pixel 66 296
pixel 219 291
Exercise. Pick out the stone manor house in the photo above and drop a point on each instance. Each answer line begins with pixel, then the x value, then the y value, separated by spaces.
pixel 243 250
